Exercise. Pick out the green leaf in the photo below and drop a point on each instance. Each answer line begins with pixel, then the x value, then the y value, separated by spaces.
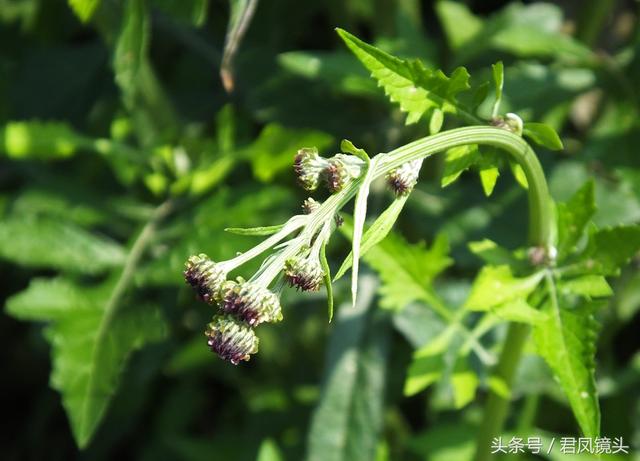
pixel 348 418
pixel 428 363
pixel 543 135
pixel 415 88
pixel 347 147
pixel 589 286
pixel 34 241
pixel 496 285
pixel 457 160
pixel 84 9
pixel 263 230
pixel 41 140
pixel 518 310
pixel 609 249
pixel 573 218
pixel 567 342
pixel 89 348
pixel 407 270
pixel 327 279
pixel 375 233
pixel 359 216
pixel 464 382
pixel 241 14
pixel 488 178
pixel 458 22
pixel 131 49
pixel 269 451
pixel 276 146
pixel 497 70
pixel 492 253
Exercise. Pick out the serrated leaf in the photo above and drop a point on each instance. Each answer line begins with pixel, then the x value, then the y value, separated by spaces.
pixel 573 217
pixel 348 418
pixel 359 216
pixel 457 160
pixel 543 135
pixel 497 71
pixel 375 233
pixel 407 270
pixel 34 241
pixel 41 140
pixel 589 286
pixel 416 89
pixel 84 9
pixel 496 285
pixel 608 250
pixel 262 230
pixel 567 342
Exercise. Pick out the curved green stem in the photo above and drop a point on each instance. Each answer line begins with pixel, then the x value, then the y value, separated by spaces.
pixel 541 233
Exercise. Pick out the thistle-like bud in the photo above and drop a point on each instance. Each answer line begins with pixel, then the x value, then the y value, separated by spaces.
pixel 304 273
pixel 250 302
pixel 310 205
pixel 308 166
pixel 403 179
pixel 342 168
pixel 205 276
pixel 231 339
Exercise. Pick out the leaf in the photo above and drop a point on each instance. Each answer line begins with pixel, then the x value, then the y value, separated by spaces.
pixel 567 342
pixel 347 147
pixel 428 363
pixel 418 90
pixel 131 49
pixel 573 217
pixel 375 233
pixel 407 270
pixel 84 9
pixel 275 147
pixel 41 140
pixel 263 230
pixel 89 348
pixel 497 70
pixel 464 382
pixel 269 451
pixel 458 22
pixel 609 249
pixel 518 310
pixel 496 285
pixel 457 160
pixel 34 241
pixel 589 286
pixel 492 253
pixel 241 14
pixel 359 215
pixel 543 135
pixel 348 418
pixel 327 279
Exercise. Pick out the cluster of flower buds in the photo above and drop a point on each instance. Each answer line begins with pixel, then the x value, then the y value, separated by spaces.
pixel 336 172
pixel 403 179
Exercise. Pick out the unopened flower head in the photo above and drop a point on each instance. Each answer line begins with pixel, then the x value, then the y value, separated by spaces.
pixel 250 302
pixel 205 276
pixel 342 168
pixel 231 339
pixel 403 179
pixel 309 166
pixel 310 205
pixel 305 274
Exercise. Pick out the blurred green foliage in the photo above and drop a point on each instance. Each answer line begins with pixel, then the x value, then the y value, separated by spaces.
pixel 121 154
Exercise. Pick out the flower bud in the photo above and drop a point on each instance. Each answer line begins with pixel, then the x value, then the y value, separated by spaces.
pixel 403 179
pixel 310 205
pixel 305 274
pixel 231 339
pixel 342 168
pixel 250 302
pixel 308 166
pixel 205 276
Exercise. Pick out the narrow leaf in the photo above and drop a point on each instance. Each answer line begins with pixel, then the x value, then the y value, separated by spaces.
pixel 543 135
pixel 263 230
pixel 241 14
pixel 327 279
pixel 84 9
pixel 497 70
pixel 359 215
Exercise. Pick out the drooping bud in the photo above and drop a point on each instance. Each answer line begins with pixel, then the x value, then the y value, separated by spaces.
pixel 250 302
pixel 403 179
pixel 231 339
pixel 305 274
pixel 205 276
pixel 342 168
pixel 308 166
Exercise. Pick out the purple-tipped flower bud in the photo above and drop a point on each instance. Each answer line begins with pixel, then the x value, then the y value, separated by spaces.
pixel 403 179
pixel 305 274
pixel 205 276
pixel 250 302
pixel 310 205
pixel 231 339
pixel 308 166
